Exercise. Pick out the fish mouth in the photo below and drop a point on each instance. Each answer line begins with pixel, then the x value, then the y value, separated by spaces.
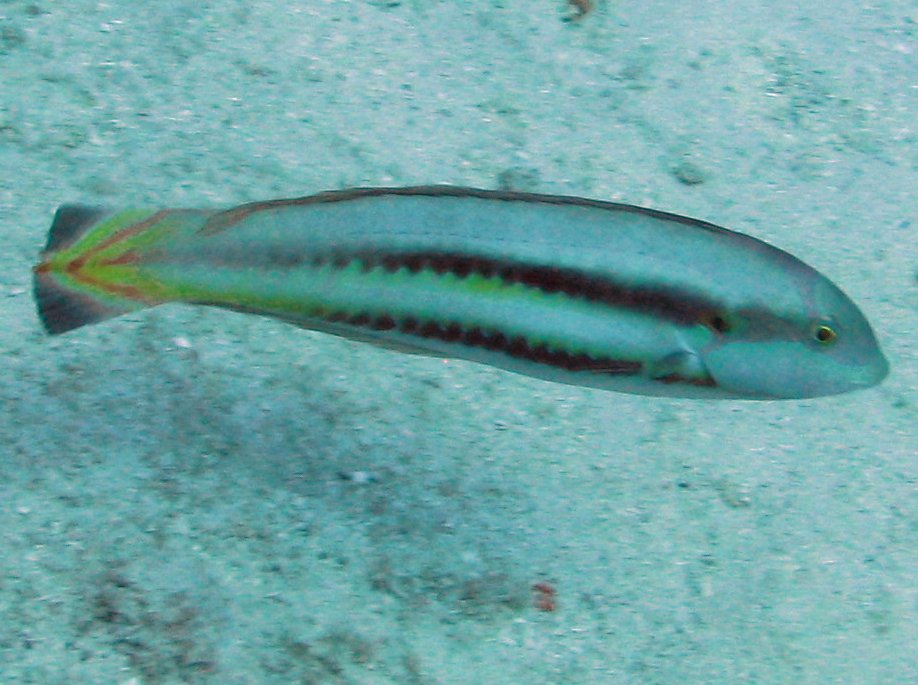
pixel 874 373
pixel 866 375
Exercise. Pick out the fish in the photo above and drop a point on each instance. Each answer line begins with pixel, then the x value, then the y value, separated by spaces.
pixel 566 289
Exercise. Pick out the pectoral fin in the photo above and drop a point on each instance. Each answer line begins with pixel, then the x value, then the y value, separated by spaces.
pixel 681 367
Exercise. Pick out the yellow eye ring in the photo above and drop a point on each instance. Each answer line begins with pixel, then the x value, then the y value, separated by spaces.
pixel 824 334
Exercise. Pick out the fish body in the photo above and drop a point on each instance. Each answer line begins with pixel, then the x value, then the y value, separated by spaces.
pixel 571 290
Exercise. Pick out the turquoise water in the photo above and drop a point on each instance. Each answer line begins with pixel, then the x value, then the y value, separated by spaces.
pixel 195 496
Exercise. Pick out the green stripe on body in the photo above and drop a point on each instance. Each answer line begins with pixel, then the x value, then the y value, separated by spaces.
pixel 405 302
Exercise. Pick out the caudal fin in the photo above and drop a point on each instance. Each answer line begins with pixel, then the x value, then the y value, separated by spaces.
pixel 71 284
pixel 62 310
pixel 72 222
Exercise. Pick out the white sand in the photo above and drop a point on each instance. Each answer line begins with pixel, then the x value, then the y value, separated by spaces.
pixel 171 502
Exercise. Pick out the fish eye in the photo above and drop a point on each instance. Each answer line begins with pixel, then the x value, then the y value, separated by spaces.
pixel 824 334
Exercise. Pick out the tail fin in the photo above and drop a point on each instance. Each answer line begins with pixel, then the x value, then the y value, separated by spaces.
pixel 62 310
pixel 70 223
pixel 85 273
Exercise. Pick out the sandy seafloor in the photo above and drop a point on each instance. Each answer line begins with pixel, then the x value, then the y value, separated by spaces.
pixel 197 496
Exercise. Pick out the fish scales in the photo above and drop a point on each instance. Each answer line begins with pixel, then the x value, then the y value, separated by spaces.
pixel 566 289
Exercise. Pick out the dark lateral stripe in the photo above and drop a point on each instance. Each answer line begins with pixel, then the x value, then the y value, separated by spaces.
pixel 514 346
pixel 453 332
pixel 678 306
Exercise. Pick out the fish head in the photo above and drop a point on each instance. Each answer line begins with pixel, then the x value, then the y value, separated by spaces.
pixel 809 343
